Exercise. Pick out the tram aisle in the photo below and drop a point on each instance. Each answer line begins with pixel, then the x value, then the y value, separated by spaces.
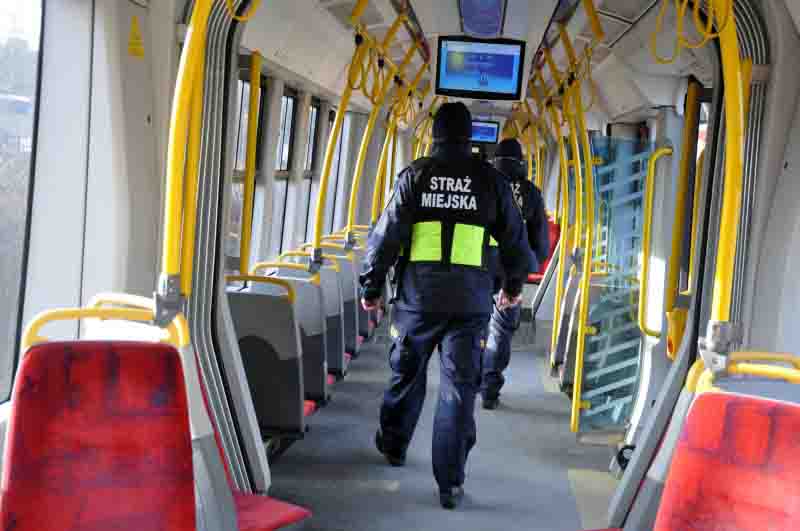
pixel 527 471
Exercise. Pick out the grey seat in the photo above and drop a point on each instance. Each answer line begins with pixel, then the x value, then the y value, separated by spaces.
pixel 332 292
pixel 269 341
pixel 310 312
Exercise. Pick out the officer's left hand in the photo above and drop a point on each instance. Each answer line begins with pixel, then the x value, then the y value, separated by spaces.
pixel 505 300
pixel 370 305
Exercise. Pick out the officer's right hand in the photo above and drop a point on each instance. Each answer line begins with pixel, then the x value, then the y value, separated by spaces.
pixel 506 301
pixel 370 305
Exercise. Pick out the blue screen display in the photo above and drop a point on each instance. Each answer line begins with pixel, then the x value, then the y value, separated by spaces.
pixel 479 67
pixel 484 132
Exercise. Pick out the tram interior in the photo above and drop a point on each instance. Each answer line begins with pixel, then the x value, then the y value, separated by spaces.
pixel 187 190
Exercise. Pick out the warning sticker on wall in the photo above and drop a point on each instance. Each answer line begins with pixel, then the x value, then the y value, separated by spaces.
pixel 135 41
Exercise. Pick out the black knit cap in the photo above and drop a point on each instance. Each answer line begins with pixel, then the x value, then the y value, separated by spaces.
pixel 452 123
pixel 509 148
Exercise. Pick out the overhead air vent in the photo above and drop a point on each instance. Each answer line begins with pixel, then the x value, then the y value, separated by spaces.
pixel 482 18
pixel 341 12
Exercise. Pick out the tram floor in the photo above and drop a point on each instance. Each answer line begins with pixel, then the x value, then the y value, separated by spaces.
pixel 527 471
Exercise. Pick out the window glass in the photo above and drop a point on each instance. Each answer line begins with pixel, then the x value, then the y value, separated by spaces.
pixel 241 133
pixel 336 200
pixel 312 136
pixel 20 26
pixel 283 157
pixel 232 239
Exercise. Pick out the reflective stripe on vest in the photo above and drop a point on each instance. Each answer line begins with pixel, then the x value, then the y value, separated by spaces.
pixel 467 248
pixel 493 242
pixel 426 242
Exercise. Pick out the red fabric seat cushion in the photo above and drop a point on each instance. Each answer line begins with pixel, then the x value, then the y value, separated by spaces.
pixel 736 467
pixel 262 513
pixel 309 408
pixel 99 439
pixel 254 512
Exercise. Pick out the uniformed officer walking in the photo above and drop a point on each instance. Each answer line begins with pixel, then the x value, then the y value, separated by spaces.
pixel 438 222
pixel 505 321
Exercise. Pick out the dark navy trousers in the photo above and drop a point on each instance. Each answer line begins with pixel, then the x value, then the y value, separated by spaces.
pixel 497 355
pixel 460 338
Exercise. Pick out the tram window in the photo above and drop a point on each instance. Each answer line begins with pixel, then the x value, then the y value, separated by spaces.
pixel 283 160
pixel 313 112
pixel 336 197
pixel 232 238
pixel 19 59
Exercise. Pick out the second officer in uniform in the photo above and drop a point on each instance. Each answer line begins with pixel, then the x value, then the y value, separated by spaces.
pixel 436 229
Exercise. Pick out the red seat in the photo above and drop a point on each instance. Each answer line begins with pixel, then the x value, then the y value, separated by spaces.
pixel 736 467
pixel 262 513
pixel 254 512
pixel 554 232
pixel 331 379
pixel 99 439
pixel 309 408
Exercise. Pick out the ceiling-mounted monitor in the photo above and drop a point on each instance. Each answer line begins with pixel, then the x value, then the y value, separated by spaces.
pixel 484 132
pixel 486 69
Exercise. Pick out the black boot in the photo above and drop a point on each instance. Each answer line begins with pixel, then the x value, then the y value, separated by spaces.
pixel 394 459
pixel 452 497
pixel 491 403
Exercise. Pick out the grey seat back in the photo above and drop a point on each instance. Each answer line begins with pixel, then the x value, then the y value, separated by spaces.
pixel 269 342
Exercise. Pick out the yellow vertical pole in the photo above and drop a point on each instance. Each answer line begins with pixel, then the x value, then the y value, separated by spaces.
pixel 678 222
pixel 333 138
pixel 193 54
pixel 393 163
pixel 250 163
pixel 379 178
pixel 387 171
pixel 583 315
pixel 362 156
pixel 189 221
pixel 562 253
pixel 579 181
pixel 734 161
pixel 698 184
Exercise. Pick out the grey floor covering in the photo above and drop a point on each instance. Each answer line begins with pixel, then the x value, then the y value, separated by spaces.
pixel 517 477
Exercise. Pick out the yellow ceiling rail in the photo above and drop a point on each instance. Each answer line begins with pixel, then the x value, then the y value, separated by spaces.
pixel 646 237
pixel 368 64
pixel 186 103
pixel 290 291
pixel 250 162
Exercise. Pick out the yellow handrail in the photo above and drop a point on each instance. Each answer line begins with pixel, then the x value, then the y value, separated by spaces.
pixel 646 236
pixel 330 149
pixel 31 335
pixel 187 87
pixel 562 251
pixel 276 265
pixel 583 315
pixel 705 382
pixel 698 182
pixel 676 317
pixel 290 291
pixel 250 161
pixel 304 254
pixel 734 161
pixel 679 217
pixel 377 191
